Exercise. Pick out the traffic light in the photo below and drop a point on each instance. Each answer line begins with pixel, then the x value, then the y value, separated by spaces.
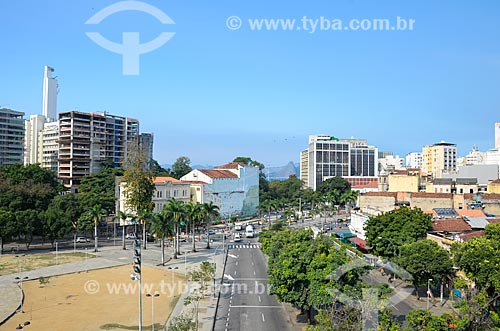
pixel 137 257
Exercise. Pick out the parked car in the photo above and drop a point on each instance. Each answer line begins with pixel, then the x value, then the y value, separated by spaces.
pixel 82 240
pixel 130 236
pixel 211 232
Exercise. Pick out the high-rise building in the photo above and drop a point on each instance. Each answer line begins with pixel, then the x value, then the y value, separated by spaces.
pixel 49 146
pixel 329 157
pixel 414 160
pixel 11 137
pixel 50 90
pixel 304 167
pixel 497 135
pixel 146 143
pixel 89 141
pixel 33 127
pixel 438 158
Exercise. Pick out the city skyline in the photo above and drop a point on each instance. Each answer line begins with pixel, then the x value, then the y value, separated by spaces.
pixel 212 93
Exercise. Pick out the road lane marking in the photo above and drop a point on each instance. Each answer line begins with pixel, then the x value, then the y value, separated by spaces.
pixel 235 272
pixel 263 319
pixel 254 272
pixel 260 299
pixel 236 262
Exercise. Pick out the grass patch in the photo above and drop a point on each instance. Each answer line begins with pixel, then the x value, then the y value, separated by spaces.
pixel 10 264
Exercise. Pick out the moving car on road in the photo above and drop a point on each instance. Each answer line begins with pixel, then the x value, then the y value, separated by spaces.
pixel 82 240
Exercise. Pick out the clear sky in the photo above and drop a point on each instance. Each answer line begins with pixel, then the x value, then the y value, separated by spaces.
pixel 212 93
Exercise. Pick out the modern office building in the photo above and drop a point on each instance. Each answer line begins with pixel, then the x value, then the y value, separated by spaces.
pixel 328 157
pixel 438 158
pixel 87 141
pixel 11 137
pixel 50 90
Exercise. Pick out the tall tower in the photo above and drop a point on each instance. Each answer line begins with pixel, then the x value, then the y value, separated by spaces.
pixel 497 135
pixel 50 89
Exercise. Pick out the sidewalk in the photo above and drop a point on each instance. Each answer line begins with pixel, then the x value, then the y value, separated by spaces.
pixel 207 307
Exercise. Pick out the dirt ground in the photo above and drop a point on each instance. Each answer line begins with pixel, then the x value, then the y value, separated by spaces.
pixel 10 263
pixel 92 300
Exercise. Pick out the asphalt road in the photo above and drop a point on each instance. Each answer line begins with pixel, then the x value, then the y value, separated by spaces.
pixel 245 303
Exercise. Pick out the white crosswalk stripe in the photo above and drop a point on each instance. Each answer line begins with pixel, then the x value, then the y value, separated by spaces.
pixel 252 246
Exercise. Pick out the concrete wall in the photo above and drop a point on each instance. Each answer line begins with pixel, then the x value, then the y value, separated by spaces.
pixel 382 202
pixel 399 183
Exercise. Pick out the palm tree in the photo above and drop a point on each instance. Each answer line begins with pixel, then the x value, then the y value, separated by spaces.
pixel 96 213
pixel 175 212
pixel 348 197
pixel 192 214
pixel 144 216
pixel 160 228
pixel 123 216
pixel 211 212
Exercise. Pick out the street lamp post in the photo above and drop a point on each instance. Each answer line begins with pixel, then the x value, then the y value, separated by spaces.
pixel 172 271
pixel 152 309
pixel 20 279
pixel 394 251
pixel 428 291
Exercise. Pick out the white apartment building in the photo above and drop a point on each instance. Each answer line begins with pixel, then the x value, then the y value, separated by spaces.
pixel 48 150
pixel 414 160
pixel 389 163
pixel 33 127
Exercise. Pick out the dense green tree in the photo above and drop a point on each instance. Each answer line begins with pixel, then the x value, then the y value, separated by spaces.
pixel 479 258
pixel 181 167
pixel 492 232
pixel 144 217
pixel 7 226
pixel 159 171
pixel 334 183
pixel 28 223
pixel 139 187
pixel 70 204
pixel 99 189
pixel 425 259
pixel 249 162
pixel 287 190
pixel 27 187
pixel 390 230
pixel 56 224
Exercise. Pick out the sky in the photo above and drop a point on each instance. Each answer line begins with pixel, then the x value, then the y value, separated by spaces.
pixel 221 88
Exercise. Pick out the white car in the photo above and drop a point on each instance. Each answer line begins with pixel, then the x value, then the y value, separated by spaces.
pixel 82 240
pixel 237 237
pixel 130 236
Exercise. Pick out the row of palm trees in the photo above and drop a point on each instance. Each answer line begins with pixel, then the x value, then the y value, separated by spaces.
pixel 318 203
pixel 167 222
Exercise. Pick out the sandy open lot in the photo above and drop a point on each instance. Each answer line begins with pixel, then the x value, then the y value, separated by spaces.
pixel 89 301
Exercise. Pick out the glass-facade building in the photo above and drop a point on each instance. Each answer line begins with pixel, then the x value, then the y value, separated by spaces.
pixel 328 157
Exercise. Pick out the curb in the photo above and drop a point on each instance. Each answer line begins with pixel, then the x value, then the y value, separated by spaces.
pixel 218 296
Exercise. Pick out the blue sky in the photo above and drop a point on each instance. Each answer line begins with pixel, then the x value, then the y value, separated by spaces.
pixel 212 93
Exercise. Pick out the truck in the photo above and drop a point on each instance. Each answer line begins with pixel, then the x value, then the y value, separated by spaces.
pixel 237 226
pixel 249 233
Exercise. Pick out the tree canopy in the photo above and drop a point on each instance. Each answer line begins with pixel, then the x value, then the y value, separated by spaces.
pixel 390 230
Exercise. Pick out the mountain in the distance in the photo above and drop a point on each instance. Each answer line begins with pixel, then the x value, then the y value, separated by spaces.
pixel 283 172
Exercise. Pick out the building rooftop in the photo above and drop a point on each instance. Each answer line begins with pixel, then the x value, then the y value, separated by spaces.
pixel 166 179
pixel 450 225
pixel 216 173
pixel 231 165
pixel 471 212
pixel 476 222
